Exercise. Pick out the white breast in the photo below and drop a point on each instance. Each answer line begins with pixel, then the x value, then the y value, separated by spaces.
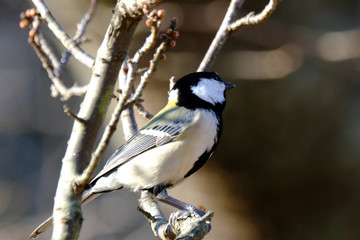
pixel 169 163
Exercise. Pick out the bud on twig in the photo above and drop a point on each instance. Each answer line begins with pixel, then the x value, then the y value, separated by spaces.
pixel 175 34
pixel 168 31
pixel 163 57
pixel 172 43
pixel 160 14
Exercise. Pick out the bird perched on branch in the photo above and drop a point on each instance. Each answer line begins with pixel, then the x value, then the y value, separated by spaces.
pixel 174 144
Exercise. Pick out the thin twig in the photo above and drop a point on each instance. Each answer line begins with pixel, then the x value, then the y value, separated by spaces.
pixel 142 111
pixel 64 38
pixel 150 71
pixel 67 93
pixel 47 58
pixel 221 36
pixel 229 25
pixel 252 19
pixel 126 81
pixel 82 25
pixel 50 53
pixel 168 41
pixel 148 44
pixel 126 87
pixel 73 115
pixel 81 29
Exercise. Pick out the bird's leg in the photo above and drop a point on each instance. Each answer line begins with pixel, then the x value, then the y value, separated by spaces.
pixel 165 198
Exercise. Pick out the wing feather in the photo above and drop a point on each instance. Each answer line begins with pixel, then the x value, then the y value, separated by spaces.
pixel 150 136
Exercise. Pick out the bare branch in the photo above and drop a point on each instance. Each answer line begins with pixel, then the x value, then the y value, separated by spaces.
pixel 58 88
pixel 131 66
pixel 48 60
pixel 71 114
pixel 229 25
pixel 82 25
pixel 220 36
pixel 252 19
pixel 142 111
pixel 128 122
pixel 126 86
pixel 151 210
pixel 67 93
pixel 49 52
pixel 159 55
pixel 68 42
pixel 47 56
pixel 81 29
pixel 181 225
pixel 127 116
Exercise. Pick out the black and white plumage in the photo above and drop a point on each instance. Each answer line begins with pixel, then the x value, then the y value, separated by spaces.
pixel 174 144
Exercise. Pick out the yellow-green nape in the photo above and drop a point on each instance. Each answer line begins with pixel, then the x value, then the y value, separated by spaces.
pixel 172 103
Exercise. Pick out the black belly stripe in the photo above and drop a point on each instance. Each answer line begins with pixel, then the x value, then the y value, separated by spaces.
pixel 205 156
pixel 199 163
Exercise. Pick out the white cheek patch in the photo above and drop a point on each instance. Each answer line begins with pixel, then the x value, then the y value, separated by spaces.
pixel 209 90
pixel 173 95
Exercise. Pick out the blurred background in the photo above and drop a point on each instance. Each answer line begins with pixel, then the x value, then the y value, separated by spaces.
pixel 288 164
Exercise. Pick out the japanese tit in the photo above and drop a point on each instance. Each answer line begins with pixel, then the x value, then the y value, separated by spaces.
pixel 174 144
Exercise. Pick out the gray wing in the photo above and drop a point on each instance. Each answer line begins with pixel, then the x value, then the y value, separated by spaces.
pixel 151 136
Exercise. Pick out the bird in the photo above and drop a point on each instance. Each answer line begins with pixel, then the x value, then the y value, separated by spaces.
pixel 173 145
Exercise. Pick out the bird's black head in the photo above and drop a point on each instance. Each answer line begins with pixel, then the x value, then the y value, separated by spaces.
pixel 200 90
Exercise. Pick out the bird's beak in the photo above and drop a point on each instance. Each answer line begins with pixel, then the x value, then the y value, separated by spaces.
pixel 229 85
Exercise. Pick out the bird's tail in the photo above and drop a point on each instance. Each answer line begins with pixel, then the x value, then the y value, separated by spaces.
pixel 88 196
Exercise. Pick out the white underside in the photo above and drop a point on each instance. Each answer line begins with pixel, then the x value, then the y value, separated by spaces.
pixel 162 165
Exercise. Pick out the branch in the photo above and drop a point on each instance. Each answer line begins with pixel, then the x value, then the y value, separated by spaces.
pixel 131 67
pixel 82 25
pixel 220 36
pixel 50 54
pixel 127 117
pixel 252 19
pixel 126 87
pixel 181 225
pixel 60 34
pixel 142 111
pixel 229 25
pixel 47 56
pixel 81 29
pixel 72 115
pixel 110 55
pixel 49 60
